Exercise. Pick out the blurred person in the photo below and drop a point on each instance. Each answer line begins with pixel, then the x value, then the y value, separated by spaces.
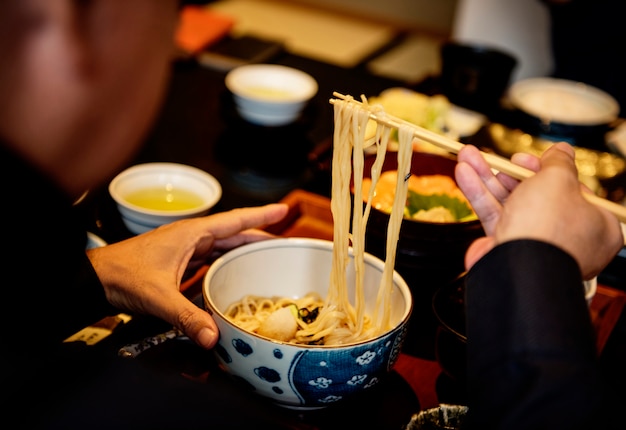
pixel 80 83
pixel 532 361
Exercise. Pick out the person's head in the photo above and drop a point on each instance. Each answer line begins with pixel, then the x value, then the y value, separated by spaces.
pixel 81 82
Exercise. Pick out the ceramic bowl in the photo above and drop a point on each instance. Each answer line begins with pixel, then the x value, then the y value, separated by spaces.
pixel 152 194
pixel 270 94
pixel 560 109
pixel 291 375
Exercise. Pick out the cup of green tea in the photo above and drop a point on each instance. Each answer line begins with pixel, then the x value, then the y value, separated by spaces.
pixel 152 194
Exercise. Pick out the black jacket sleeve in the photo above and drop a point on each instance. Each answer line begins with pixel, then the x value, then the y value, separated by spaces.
pixel 531 346
pixel 49 288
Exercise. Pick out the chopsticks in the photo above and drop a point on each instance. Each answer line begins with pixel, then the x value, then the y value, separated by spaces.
pixel 495 161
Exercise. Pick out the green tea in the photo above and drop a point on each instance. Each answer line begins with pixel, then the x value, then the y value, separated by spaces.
pixel 165 198
pixel 268 92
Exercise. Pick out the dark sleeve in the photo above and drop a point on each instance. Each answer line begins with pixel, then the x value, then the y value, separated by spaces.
pixel 49 287
pixel 531 344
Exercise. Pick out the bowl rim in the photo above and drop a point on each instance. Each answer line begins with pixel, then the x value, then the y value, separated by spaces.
pixel 608 105
pixel 302 242
pixel 308 88
pixel 167 167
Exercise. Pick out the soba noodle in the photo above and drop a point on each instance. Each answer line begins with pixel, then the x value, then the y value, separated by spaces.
pixel 339 321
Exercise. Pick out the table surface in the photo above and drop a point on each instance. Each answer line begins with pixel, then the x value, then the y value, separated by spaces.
pixel 256 165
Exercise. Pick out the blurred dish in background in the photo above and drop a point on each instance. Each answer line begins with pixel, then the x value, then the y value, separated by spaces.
pixel 270 94
pixel 616 138
pixel 603 172
pixel 475 76
pixel 559 109
pixel 463 122
pixel 434 113
pixel 564 101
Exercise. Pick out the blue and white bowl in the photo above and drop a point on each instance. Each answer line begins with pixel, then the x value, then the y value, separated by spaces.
pixel 299 376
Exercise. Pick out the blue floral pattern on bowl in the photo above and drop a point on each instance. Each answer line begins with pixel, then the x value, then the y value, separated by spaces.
pixel 311 378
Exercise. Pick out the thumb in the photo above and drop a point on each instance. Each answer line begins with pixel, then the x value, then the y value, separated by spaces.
pixel 477 250
pixel 203 330
pixel 195 322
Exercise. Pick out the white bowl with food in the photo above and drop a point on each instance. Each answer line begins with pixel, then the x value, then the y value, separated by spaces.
pixel 562 109
pixel 270 94
pixel 289 351
pixel 152 194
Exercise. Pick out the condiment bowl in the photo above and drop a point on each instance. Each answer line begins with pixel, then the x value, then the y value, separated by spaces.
pixel 270 94
pixel 299 376
pixel 152 194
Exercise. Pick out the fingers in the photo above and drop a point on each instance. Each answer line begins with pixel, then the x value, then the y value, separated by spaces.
pixel 560 154
pixel 246 236
pixel 472 156
pixel 195 322
pixel 484 203
pixel 227 230
pixel 529 161
pixel 225 224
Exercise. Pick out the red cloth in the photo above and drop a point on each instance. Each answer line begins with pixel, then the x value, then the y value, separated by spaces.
pixel 200 27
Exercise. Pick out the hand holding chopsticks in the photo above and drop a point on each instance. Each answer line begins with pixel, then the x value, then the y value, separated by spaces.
pixel 496 162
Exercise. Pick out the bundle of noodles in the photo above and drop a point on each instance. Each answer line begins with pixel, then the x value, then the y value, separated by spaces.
pixel 339 321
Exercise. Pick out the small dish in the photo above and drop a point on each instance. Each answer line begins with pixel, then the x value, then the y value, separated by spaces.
pixel 270 94
pixel 464 122
pixel 564 101
pixel 152 194
pixel 563 110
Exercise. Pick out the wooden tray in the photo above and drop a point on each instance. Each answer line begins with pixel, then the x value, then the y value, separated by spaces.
pixel 309 216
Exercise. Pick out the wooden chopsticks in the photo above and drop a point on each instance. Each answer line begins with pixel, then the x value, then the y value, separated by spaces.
pixel 497 162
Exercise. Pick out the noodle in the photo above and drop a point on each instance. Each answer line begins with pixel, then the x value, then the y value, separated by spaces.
pixel 338 320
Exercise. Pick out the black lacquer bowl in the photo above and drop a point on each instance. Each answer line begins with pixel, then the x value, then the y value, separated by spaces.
pixel 451 342
pixel 429 254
